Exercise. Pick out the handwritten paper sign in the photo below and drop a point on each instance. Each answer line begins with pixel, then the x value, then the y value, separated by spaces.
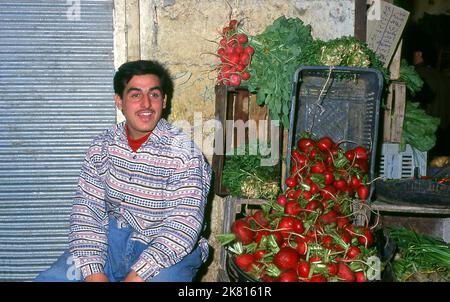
pixel 384 30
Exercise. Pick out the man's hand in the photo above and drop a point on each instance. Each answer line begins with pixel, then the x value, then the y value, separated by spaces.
pixel 133 277
pixel 99 277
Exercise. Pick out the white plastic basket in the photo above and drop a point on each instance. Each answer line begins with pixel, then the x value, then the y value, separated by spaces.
pixel 397 165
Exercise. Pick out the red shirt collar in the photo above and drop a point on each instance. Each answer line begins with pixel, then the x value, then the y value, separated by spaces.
pixel 135 143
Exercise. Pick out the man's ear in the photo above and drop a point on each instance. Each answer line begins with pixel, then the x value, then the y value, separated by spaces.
pixel 118 101
pixel 164 102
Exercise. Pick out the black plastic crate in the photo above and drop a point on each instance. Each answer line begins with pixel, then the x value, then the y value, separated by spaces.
pixel 340 102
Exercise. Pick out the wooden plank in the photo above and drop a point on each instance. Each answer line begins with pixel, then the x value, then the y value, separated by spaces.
pixel 388 116
pixel 258 114
pixel 394 67
pixel 409 208
pixel 399 94
pixel 240 114
pixel 218 159
pixel 394 112
pixel 360 30
pixel 132 30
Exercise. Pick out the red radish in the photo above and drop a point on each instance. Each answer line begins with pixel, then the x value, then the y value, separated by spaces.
pixel 287 226
pixel 245 261
pixel 355 182
pixel 315 259
pixel 328 177
pixel 243 231
pixel 363 192
pixel 345 273
pixel 305 144
pixel 267 278
pixel 327 241
pixel 242 38
pixel 366 238
pixel 303 269
pixel 297 194
pixel 260 218
pixel 341 222
pixel 245 75
pixel 362 165
pixel 244 59
pixel 286 258
pixel 292 208
pixel 314 188
pixel 307 195
pixel 240 67
pixel 225 30
pixel 345 236
pixel 332 269
pixel 298 226
pixel 350 155
pixel 313 205
pixel 291 182
pixel 260 234
pixel 328 193
pixel 340 184
pixel 313 153
pixel 361 153
pixel 259 254
pixel 290 193
pixel 249 49
pixel 235 80
pixel 353 252
pixel 360 277
pixel 302 246
pixel 300 160
pixel 318 167
pixel 239 49
pixel 232 23
pixel 318 278
pixel 325 143
pixel 288 276
pixel 329 217
pixel 282 200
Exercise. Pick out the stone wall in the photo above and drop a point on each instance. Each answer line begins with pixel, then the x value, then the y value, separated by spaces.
pixel 182 33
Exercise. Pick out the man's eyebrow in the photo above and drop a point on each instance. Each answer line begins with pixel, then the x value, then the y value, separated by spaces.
pixel 140 89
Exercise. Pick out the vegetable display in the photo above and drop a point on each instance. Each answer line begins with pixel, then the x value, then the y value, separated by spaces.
pixel 306 233
pixel 420 257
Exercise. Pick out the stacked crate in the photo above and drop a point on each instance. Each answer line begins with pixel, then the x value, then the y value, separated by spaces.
pixel 396 163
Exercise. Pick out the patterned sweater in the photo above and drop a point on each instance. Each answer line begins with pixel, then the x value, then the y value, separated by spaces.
pixel 160 191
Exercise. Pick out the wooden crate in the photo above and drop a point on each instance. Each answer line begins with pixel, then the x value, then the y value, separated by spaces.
pixel 394 112
pixel 232 208
pixel 234 104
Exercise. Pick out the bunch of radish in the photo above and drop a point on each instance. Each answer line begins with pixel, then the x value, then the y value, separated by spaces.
pixel 235 55
pixel 307 233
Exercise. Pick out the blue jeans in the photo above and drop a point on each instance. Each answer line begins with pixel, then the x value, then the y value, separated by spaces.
pixel 122 254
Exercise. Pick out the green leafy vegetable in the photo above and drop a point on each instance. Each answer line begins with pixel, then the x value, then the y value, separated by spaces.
pixel 244 176
pixel 409 75
pixel 287 44
pixel 419 128
pixel 419 254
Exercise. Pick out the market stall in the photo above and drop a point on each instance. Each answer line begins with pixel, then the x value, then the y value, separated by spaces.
pixel 353 152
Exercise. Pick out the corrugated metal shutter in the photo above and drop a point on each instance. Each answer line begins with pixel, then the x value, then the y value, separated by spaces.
pixel 56 94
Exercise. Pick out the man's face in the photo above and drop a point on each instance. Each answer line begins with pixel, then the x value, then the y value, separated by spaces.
pixel 141 104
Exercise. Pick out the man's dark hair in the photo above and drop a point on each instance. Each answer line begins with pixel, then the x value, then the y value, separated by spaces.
pixel 143 67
